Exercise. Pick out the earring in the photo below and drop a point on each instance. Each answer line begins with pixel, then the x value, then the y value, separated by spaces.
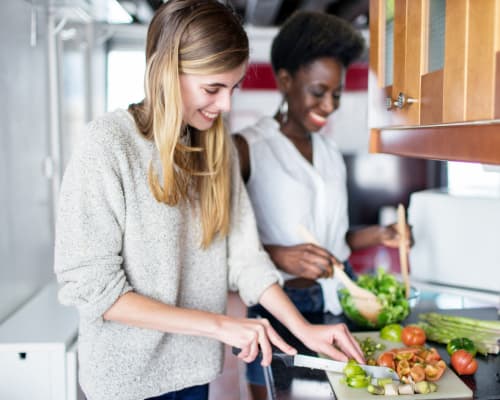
pixel 283 111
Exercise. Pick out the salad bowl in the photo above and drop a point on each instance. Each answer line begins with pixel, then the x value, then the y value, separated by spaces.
pixel 390 292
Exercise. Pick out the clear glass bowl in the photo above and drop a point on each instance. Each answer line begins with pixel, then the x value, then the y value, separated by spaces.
pixel 392 311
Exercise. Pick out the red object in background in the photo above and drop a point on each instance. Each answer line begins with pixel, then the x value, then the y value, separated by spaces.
pixel 260 77
pixel 363 261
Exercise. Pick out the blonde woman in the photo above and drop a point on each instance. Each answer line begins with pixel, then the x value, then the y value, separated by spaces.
pixel 155 226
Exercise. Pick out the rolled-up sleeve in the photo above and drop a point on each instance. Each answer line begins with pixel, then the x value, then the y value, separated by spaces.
pixel 89 228
pixel 251 270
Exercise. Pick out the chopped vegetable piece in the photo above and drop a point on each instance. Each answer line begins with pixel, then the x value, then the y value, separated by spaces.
pixel 390 389
pixel 353 369
pixel 386 359
pixel 405 389
pixel 375 389
pixel 358 381
pixel 433 387
pixel 422 387
pixel 383 381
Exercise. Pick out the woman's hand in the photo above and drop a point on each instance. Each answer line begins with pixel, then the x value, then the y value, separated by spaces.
pixel 303 260
pixel 251 335
pixel 390 236
pixel 335 341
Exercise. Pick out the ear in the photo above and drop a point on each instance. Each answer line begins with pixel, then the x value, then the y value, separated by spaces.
pixel 284 80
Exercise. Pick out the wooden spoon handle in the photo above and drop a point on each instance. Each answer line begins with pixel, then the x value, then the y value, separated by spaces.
pixel 354 289
pixel 403 251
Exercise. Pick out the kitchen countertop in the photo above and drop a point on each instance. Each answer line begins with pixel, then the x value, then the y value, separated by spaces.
pixel 296 383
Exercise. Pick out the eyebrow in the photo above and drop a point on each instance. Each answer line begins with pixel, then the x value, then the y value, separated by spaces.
pixel 339 87
pixel 223 85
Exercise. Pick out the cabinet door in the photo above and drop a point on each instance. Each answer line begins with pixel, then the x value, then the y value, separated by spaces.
pixel 472 61
pixel 25 375
pixel 446 58
pixel 396 61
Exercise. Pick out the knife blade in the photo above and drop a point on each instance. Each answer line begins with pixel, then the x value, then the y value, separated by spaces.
pixel 301 360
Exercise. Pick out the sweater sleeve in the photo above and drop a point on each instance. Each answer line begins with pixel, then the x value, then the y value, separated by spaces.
pixel 251 270
pixel 90 225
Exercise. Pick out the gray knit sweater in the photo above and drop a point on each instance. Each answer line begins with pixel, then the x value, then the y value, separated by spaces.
pixel 113 236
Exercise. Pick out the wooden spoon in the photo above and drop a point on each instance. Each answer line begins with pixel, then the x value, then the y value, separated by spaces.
pixel 403 249
pixel 366 302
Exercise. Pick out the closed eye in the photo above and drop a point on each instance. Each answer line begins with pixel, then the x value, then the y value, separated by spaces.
pixel 211 90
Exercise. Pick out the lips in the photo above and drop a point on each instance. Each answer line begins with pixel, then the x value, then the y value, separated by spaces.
pixel 209 115
pixel 317 119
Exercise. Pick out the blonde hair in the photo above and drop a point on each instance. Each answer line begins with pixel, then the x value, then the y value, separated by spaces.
pixel 198 37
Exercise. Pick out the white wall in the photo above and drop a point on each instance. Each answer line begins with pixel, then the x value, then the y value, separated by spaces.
pixel 26 191
pixel 25 212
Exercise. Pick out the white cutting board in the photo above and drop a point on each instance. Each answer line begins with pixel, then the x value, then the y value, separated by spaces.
pixel 450 386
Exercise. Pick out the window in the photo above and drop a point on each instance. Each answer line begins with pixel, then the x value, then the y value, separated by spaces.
pixel 471 178
pixel 125 78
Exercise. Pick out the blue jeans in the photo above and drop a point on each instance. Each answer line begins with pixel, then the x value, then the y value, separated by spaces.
pixel 190 393
pixel 307 300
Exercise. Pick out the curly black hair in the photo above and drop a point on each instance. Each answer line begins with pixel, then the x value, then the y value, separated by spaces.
pixel 307 35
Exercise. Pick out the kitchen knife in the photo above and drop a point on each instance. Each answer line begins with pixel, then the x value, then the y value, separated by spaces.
pixel 301 360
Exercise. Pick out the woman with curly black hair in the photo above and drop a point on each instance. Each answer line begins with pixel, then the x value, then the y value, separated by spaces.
pixel 295 176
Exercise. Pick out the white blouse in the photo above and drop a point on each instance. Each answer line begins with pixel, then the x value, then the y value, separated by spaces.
pixel 287 191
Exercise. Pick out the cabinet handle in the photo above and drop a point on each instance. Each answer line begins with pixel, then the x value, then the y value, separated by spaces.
pixel 404 101
pixel 389 103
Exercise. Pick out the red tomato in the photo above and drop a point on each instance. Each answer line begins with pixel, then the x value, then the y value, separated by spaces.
pixel 434 371
pixel 386 359
pixel 413 335
pixel 432 355
pixel 463 362
pixel 417 372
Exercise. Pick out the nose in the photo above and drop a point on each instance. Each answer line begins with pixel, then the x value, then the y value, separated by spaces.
pixel 224 101
pixel 329 104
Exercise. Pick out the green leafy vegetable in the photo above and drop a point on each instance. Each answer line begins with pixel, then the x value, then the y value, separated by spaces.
pixel 390 293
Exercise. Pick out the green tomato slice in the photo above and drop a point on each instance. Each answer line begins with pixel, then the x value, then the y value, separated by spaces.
pixel 358 381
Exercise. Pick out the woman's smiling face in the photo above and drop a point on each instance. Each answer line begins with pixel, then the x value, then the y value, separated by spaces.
pixel 313 93
pixel 204 97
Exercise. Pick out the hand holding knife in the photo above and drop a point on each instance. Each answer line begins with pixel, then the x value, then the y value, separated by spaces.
pixel 301 360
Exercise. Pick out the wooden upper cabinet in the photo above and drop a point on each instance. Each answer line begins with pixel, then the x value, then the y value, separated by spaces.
pixel 395 62
pixel 435 64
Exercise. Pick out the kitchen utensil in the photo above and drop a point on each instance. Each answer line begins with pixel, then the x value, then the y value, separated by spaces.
pixel 403 249
pixel 352 313
pixel 326 364
pixel 366 302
